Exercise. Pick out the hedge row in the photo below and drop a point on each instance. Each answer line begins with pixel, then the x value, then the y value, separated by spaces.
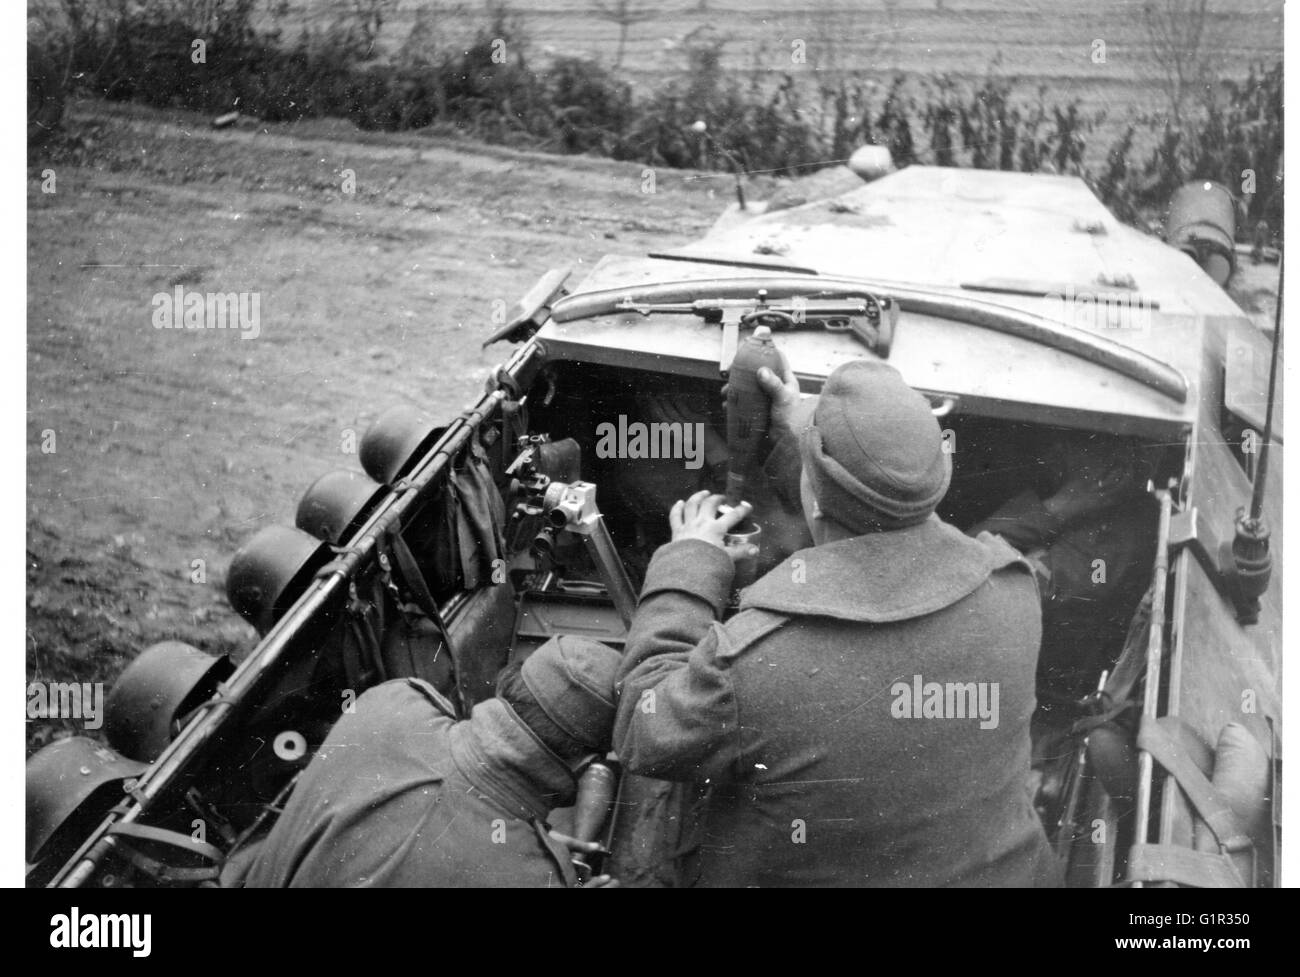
pixel 491 90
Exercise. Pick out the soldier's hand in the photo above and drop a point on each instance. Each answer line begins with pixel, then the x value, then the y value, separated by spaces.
pixel 574 845
pixel 1099 474
pixel 586 848
pixel 783 391
pixel 1090 490
pixel 698 518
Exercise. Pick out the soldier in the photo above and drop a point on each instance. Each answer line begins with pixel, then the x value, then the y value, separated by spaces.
pixel 400 794
pixel 864 719
pixel 1090 543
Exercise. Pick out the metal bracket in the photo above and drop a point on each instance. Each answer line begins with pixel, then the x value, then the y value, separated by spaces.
pixel 730 340
pixel 1188 528
pixel 534 307
pixel 572 506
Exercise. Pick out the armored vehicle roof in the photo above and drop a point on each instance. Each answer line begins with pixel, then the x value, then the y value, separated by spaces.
pixel 1004 245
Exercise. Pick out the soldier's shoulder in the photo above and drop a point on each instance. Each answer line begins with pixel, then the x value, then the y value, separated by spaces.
pixel 1002 555
pixel 747 629
pixel 401 696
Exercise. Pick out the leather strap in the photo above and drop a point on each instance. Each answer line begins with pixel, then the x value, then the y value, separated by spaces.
pixel 1189 742
pixel 164 836
pixel 1174 863
pixel 160 870
pixel 350 652
pixel 418 590
pixel 416 586
pixel 1109 713
pixel 1179 758
pixel 366 646
pixel 440 701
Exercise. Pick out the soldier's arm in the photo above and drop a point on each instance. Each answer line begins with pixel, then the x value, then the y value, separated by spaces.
pixel 783 467
pixel 783 464
pixel 1025 522
pixel 677 709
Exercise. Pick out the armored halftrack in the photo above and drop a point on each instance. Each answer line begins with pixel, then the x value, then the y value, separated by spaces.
pixel 1030 318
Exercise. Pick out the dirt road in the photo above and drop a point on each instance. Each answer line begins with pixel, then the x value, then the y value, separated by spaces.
pixel 170 447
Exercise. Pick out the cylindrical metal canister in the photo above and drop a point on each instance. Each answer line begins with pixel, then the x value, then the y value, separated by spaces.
pixel 1202 223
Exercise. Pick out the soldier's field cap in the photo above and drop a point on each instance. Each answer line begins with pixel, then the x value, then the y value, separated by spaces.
pixel 572 679
pixel 872 450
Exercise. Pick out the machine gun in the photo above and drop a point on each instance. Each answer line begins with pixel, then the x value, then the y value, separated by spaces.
pixel 870 318
pixel 547 507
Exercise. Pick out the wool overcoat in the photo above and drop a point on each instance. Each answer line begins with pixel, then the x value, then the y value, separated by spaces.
pixel 401 795
pixel 863 720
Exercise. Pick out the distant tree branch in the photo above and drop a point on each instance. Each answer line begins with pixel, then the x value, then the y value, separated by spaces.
pixel 1176 30
pixel 624 13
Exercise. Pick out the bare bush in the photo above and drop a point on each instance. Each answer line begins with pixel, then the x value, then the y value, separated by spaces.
pixel 784 124
pixel 626 14
pixel 1180 44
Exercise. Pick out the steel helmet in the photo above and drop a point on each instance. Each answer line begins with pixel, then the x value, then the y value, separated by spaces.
pixel 271 571
pixel 163 684
pixel 71 784
pixel 394 442
pixel 337 504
